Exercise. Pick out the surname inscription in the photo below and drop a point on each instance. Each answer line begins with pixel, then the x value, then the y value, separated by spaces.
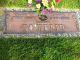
pixel 56 22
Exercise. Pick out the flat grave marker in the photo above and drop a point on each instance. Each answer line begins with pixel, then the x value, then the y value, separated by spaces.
pixel 29 22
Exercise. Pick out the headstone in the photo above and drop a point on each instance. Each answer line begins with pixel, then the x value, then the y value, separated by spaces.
pixel 25 21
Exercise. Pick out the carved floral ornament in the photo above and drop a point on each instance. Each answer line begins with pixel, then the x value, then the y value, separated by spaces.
pixel 43 7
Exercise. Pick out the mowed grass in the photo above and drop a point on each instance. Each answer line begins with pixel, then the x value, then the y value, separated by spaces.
pixel 70 4
pixel 56 48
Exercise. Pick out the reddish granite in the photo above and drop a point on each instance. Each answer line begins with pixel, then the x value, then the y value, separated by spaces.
pixel 30 22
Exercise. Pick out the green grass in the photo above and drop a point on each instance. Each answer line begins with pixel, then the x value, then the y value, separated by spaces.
pixel 71 4
pixel 56 48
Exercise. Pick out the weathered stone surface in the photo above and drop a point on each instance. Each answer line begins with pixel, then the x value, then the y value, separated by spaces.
pixel 1 19
pixel 1 22
pixel 14 19
pixel 29 22
pixel 78 18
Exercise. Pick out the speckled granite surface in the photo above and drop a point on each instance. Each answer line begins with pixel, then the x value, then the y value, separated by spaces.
pixel 2 17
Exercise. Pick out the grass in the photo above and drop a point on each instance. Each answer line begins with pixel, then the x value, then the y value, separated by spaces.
pixel 56 48
pixel 71 4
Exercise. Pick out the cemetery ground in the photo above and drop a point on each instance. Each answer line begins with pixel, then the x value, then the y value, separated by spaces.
pixel 71 4
pixel 55 48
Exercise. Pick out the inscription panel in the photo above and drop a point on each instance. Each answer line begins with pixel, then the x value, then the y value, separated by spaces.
pixel 26 22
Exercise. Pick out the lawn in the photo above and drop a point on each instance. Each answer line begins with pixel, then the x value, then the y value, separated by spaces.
pixel 71 4
pixel 56 48
pixel 64 4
